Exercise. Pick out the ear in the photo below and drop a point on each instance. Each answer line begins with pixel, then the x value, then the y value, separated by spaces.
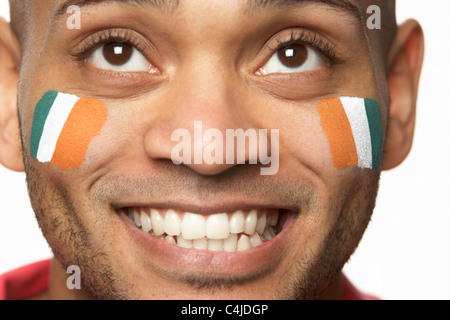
pixel 10 141
pixel 405 65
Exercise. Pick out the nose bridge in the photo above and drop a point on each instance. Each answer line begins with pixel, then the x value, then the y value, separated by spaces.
pixel 204 93
pixel 205 90
pixel 205 85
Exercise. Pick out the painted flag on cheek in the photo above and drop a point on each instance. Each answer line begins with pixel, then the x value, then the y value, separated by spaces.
pixel 354 131
pixel 63 127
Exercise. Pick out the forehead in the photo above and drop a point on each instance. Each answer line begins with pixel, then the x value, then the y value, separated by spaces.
pixel 351 6
pixel 174 4
pixel 58 9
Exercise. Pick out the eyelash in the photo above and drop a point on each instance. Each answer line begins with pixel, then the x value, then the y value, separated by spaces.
pixel 104 37
pixel 302 36
pixel 307 37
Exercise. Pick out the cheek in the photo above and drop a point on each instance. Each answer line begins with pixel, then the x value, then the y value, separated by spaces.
pixel 338 134
pixel 354 130
pixel 63 127
pixel 304 146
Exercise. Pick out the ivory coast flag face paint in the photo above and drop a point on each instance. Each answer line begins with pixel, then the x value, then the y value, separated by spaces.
pixel 63 127
pixel 354 131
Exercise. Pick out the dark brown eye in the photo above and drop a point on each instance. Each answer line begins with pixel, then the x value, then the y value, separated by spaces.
pixel 117 53
pixel 120 56
pixel 293 56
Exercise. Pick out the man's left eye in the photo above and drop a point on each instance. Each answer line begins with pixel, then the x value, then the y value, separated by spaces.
pixel 294 58
pixel 120 57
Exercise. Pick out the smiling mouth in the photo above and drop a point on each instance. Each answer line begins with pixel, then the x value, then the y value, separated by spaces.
pixel 230 232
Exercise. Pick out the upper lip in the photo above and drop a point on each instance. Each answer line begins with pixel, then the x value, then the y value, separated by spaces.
pixel 192 193
pixel 205 209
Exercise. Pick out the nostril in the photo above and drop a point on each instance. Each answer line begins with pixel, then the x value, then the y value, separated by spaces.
pixel 209 169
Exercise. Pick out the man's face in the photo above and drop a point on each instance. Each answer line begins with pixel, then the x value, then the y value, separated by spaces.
pixel 159 66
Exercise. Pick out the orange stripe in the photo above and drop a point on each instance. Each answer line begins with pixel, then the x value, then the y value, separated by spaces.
pixel 335 123
pixel 84 123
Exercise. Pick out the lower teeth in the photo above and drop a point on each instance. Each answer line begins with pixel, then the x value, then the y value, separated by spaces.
pixel 234 243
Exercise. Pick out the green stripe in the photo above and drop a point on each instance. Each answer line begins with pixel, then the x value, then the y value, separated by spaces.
pixel 376 131
pixel 40 116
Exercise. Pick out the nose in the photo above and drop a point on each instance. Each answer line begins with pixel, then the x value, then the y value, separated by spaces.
pixel 201 103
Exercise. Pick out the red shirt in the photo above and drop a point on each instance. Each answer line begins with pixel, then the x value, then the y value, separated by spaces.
pixel 25 282
pixel 32 280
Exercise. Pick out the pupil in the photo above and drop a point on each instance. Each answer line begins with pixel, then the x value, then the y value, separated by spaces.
pixel 293 56
pixel 117 53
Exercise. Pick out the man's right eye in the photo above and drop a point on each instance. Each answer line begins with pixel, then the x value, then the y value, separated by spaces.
pixel 119 57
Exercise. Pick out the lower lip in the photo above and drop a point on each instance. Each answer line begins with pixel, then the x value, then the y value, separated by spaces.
pixel 169 256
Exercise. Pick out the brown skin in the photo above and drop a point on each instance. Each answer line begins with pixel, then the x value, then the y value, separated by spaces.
pixel 129 160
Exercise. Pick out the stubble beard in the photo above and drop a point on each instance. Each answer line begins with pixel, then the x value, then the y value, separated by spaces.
pixel 72 244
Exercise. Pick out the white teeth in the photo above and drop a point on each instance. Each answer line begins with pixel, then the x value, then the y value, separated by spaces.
pixel 217 227
pixel 146 222
pixel 193 226
pixel 267 236
pixel 250 222
pixel 170 239
pixel 273 219
pixel 157 222
pixel 237 222
pixel 229 245
pixel 214 232
pixel 200 244
pixel 137 218
pixel 215 245
pixel 255 240
pixel 184 243
pixel 244 243
pixel 172 223
pixel 261 224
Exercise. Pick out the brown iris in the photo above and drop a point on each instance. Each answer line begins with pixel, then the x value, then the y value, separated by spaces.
pixel 117 53
pixel 293 56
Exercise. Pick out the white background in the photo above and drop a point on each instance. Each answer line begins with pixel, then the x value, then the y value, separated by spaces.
pixel 405 252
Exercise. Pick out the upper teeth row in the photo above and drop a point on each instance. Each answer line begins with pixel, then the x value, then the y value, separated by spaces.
pixel 193 227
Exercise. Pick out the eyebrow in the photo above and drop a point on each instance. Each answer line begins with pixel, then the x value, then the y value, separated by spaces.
pixel 346 6
pixel 161 4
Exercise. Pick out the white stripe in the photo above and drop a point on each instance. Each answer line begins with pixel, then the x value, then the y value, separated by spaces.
pixel 356 114
pixel 57 117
